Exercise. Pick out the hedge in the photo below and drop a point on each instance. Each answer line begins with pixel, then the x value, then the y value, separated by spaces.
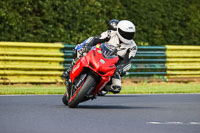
pixel 158 22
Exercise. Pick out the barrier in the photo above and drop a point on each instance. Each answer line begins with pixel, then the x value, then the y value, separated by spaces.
pixel 183 63
pixel 25 62
pixel 30 62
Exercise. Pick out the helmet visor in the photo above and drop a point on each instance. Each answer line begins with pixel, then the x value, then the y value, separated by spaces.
pixel 126 35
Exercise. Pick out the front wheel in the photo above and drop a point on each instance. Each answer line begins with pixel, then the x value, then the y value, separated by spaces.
pixel 77 96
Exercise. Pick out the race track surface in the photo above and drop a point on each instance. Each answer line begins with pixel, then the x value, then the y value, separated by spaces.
pixel 173 113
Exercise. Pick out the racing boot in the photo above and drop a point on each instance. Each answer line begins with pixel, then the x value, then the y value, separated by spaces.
pixel 113 88
pixel 114 85
pixel 67 72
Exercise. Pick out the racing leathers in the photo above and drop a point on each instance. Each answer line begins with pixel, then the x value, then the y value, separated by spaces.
pixel 125 53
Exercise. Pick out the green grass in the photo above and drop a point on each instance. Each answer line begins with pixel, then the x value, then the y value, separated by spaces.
pixel 163 88
pixel 145 88
pixel 33 89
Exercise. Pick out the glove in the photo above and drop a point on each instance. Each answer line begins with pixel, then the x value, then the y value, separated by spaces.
pixel 86 48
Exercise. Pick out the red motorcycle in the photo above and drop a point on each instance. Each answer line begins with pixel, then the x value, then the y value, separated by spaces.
pixel 90 74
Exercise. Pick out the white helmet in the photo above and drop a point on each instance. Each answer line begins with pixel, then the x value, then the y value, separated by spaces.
pixel 125 31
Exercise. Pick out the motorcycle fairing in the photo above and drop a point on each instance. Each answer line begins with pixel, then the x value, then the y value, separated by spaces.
pixel 95 61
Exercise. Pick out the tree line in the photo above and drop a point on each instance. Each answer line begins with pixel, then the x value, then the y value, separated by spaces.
pixel 158 22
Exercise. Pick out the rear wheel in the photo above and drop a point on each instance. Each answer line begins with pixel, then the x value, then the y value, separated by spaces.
pixel 65 99
pixel 79 94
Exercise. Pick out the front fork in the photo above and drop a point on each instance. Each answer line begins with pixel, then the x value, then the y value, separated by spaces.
pixel 68 85
pixel 71 88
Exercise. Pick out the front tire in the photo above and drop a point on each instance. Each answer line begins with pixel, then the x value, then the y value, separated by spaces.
pixel 80 93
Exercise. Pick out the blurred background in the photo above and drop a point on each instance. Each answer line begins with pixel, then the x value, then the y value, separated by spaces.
pixel 158 22
pixel 167 35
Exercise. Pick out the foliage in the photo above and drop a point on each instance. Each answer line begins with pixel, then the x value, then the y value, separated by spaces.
pixel 158 22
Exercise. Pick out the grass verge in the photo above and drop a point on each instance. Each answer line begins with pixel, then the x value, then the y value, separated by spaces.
pixel 144 88
pixel 163 88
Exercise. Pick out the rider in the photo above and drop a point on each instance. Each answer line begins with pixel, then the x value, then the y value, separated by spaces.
pixel 119 34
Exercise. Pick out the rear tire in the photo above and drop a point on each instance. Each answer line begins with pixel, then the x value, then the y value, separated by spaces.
pixel 65 99
pixel 79 97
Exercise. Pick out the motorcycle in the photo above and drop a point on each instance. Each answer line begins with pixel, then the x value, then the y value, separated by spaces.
pixel 90 74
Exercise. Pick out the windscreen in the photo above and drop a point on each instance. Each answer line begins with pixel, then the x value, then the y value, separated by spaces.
pixel 108 51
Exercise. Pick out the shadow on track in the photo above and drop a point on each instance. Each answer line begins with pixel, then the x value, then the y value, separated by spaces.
pixel 112 107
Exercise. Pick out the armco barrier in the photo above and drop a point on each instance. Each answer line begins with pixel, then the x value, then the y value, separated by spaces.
pixel 31 62
pixel 24 62
pixel 183 63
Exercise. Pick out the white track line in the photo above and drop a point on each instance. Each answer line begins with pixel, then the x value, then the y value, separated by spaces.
pixel 172 123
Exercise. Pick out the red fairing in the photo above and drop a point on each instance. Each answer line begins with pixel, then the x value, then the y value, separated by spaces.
pixel 78 67
pixel 97 63
pixel 102 83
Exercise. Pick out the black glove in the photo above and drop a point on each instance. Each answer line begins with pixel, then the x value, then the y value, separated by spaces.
pixel 86 48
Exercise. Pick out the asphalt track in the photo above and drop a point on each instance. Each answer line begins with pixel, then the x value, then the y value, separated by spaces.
pixel 174 113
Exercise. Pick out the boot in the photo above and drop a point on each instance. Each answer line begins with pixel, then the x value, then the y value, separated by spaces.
pixel 68 71
pixel 66 74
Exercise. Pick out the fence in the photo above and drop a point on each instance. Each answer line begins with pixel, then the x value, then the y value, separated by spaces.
pixel 24 62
